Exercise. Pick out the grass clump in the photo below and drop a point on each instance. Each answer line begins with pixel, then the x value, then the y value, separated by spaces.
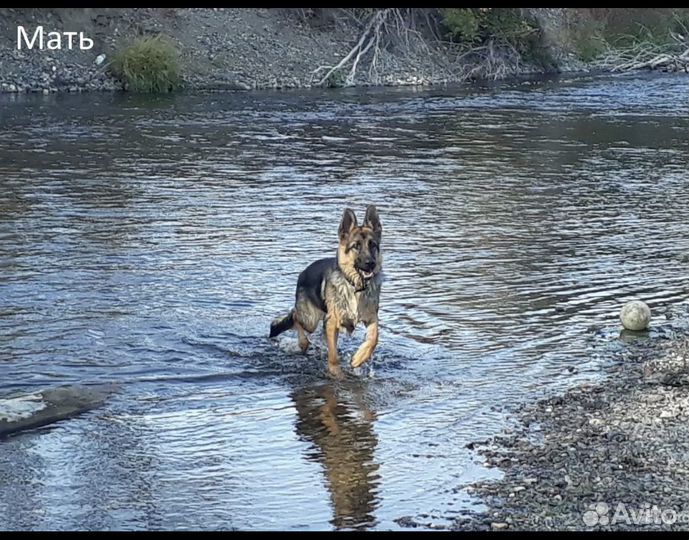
pixel 149 64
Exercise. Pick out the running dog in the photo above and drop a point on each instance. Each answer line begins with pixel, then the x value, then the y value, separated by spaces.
pixel 342 291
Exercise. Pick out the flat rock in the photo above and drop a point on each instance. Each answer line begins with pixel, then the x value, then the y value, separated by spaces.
pixel 20 412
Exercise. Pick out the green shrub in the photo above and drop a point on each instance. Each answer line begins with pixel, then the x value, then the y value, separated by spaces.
pixel 505 26
pixel 629 26
pixel 590 48
pixel 149 64
pixel 336 79
pixel 508 25
pixel 462 24
pixel 588 38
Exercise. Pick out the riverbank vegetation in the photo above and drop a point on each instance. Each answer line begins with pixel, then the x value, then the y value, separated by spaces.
pixel 148 64
pixel 461 44
pixel 637 38
pixel 496 42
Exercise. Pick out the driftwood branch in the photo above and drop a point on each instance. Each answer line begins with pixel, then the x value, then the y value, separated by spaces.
pixel 370 37
pixel 647 56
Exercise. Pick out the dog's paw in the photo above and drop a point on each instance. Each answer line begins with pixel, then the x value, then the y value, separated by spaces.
pixel 364 370
pixel 335 371
pixel 358 360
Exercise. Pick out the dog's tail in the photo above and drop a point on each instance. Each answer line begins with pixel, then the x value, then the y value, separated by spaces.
pixel 280 325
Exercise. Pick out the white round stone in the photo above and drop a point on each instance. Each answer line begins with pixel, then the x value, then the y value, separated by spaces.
pixel 635 315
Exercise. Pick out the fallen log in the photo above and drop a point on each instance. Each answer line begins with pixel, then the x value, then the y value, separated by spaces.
pixel 635 59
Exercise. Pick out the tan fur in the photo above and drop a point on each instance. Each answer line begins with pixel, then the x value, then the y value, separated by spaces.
pixel 346 261
pixel 345 309
pixel 367 347
pixel 332 325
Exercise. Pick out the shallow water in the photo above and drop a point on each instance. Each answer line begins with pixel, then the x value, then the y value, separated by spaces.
pixel 150 241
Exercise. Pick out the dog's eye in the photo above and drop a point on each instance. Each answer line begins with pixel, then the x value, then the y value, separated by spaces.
pixel 357 246
pixel 373 245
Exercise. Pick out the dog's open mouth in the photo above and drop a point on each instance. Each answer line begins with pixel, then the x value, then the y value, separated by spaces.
pixel 366 275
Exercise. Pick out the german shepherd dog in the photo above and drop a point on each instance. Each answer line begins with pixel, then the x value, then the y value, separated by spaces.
pixel 342 291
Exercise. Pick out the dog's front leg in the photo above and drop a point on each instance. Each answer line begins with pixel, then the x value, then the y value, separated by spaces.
pixel 332 327
pixel 368 346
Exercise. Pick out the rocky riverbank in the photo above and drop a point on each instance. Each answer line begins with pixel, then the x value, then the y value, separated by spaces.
pixel 610 456
pixel 228 48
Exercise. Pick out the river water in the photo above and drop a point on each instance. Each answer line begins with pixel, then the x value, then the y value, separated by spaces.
pixel 149 241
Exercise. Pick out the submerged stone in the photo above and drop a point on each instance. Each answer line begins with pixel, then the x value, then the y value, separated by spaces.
pixel 28 411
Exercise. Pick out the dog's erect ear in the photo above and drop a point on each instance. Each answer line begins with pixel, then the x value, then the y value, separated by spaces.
pixel 347 224
pixel 372 220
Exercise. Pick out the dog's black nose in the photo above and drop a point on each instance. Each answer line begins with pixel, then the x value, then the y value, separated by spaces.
pixel 369 266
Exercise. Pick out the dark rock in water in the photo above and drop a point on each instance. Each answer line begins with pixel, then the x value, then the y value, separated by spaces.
pixel 406 521
pixel 27 411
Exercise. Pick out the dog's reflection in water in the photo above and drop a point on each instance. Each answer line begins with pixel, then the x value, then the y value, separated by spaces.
pixel 334 417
